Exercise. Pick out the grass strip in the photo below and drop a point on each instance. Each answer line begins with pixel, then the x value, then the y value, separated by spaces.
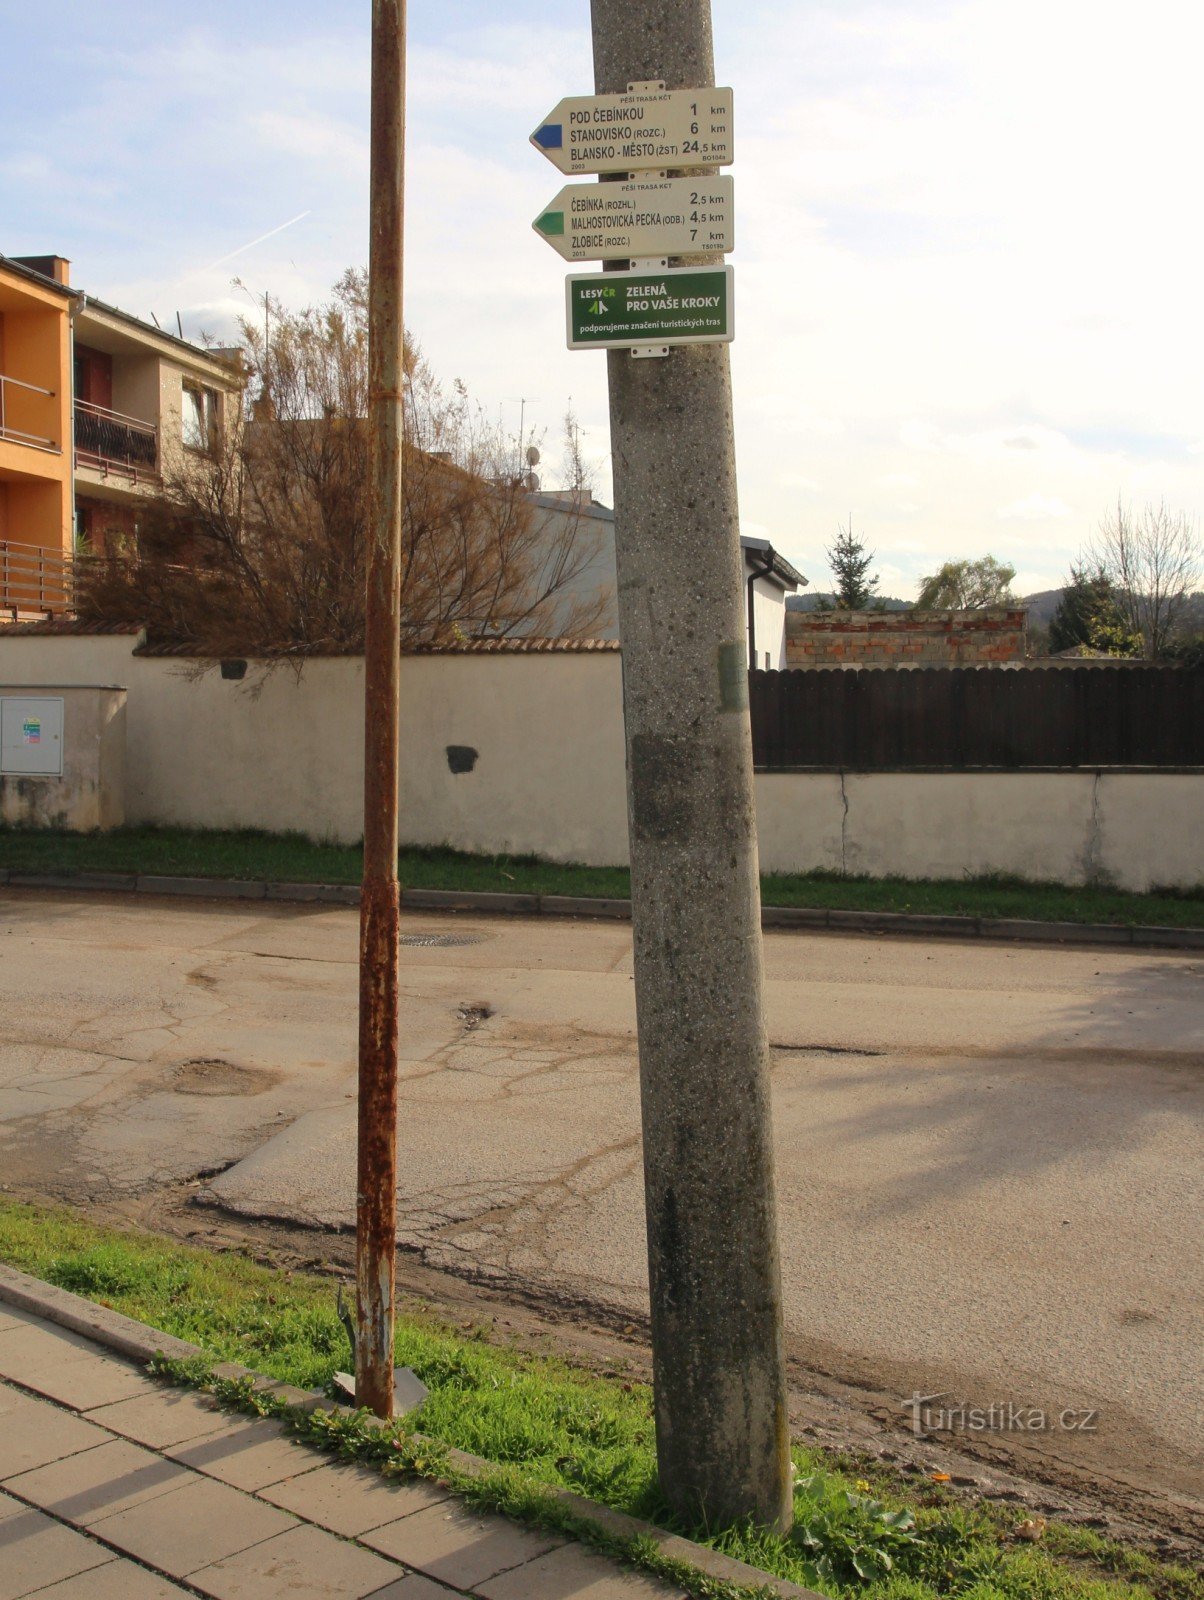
pixel 397 1452
pixel 860 1529
pixel 292 858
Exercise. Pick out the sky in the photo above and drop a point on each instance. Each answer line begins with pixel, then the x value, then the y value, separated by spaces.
pixel 968 234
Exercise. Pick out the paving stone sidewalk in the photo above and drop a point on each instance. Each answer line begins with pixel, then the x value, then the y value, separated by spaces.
pixel 116 1487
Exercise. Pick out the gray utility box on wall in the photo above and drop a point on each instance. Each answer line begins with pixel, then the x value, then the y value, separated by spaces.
pixel 62 757
pixel 31 736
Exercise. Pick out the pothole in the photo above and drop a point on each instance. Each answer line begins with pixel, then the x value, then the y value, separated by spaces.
pixel 210 1075
pixel 472 1016
pixel 439 941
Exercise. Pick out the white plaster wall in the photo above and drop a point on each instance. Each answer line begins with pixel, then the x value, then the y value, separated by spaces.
pixel 549 776
pixel 281 753
pixel 286 753
pixel 1151 828
pixel 800 821
pixel 1137 830
pixel 769 615
pixel 100 658
pixel 950 824
pixel 136 387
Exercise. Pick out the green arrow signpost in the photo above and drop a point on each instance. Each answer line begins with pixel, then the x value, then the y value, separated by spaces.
pixel 643 217
pixel 668 306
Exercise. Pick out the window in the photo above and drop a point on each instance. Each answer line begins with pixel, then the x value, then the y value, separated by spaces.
pixel 199 417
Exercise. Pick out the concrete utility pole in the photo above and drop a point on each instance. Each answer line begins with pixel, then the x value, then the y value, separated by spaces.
pixel 376 1176
pixel 718 1361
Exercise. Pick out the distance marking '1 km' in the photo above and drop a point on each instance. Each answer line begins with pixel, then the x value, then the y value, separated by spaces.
pixel 646 217
pixel 676 305
pixel 638 131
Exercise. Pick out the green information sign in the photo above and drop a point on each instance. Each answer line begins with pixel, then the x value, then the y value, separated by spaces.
pixel 677 305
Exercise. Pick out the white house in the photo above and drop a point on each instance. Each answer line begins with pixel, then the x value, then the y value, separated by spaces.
pixel 768 576
pixel 768 579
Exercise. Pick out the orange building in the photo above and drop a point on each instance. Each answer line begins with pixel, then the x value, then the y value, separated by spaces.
pixel 96 407
pixel 35 441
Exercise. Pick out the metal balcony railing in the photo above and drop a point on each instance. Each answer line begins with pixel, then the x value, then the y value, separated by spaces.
pixel 12 391
pixel 34 581
pixel 109 441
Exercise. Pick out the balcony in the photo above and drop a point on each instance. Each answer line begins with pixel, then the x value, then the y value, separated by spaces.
pixel 34 582
pixel 23 411
pixel 113 444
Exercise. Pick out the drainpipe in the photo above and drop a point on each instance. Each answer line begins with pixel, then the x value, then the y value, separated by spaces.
pixel 757 572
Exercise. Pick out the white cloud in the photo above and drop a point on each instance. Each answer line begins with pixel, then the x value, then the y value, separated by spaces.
pixel 320 141
pixel 987 444
pixel 965 276
pixel 797 480
pixel 1034 508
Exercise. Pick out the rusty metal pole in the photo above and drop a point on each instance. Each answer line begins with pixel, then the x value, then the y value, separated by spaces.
pixel 376 1176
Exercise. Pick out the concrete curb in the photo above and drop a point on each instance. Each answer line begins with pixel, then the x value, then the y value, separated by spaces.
pixel 134 1340
pixel 215 888
pixel 138 1342
pixel 914 923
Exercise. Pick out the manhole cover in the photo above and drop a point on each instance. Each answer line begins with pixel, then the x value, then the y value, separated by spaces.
pixel 440 941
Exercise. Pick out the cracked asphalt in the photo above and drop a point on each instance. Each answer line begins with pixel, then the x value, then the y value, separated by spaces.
pixel 989 1158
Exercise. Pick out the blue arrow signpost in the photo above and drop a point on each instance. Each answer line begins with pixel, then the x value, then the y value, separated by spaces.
pixel 646 129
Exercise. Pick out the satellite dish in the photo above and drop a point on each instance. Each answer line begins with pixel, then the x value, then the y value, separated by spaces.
pixel 532 456
pixel 531 481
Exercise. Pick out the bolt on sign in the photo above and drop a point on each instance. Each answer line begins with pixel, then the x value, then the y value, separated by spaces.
pixel 646 217
pixel 675 305
pixel 644 129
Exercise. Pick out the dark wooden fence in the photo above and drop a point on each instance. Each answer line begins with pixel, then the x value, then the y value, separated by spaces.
pixel 888 719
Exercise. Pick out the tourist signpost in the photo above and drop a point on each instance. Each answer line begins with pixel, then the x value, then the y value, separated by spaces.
pixel 645 221
pixel 646 129
pixel 646 217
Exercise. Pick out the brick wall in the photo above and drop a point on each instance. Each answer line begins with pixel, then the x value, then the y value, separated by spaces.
pixel 904 638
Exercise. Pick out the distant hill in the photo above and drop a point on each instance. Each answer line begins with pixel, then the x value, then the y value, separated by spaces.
pixel 817 602
pixel 1041 606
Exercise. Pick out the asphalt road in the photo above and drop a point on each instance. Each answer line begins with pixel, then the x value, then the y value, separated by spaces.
pixel 989 1159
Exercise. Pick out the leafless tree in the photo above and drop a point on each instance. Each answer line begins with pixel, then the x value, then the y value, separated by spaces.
pixel 1154 559
pixel 256 545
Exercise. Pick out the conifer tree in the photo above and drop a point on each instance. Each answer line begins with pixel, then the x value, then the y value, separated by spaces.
pixel 1090 614
pixel 850 561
